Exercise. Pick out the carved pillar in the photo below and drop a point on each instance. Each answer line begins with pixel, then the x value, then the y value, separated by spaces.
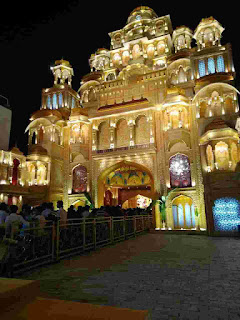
pixel 94 139
pixel 131 133
pixel 66 131
pixel 112 137
pixel 151 128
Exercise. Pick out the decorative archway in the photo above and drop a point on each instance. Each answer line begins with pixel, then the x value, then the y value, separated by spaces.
pixel 183 211
pixel 125 180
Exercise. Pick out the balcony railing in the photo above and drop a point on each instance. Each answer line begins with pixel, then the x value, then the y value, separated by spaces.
pixel 32 247
pixel 137 146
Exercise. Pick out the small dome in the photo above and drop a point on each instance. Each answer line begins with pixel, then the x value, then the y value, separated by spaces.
pixel 63 62
pixel 16 150
pixel 217 123
pixel 140 13
pixel 101 51
pixel 37 149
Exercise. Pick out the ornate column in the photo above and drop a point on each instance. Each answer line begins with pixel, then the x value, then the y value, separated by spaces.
pixel 151 129
pixel 94 138
pixel 112 135
pixel 66 131
pixel 131 124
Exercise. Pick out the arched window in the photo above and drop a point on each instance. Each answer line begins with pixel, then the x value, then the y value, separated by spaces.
pixel 188 215
pixel 73 102
pixel 193 215
pixel 142 130
pixel 180 216
pixel 60 98
pixel 201 68
pixel 110 76
pixel 122 134
pixel 49 104
pixel 16 163
pixel 79 179
pixel 180 173
pixel 211 66
pixel 181 76
pixel 222 155
pixel 103 136
pixel 220 64
pixel 54 101
pixel 34 138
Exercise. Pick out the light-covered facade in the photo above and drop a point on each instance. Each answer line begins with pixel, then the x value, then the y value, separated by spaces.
pixel 157 113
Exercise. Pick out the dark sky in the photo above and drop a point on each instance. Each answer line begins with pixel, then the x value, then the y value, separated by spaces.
pixel 35 34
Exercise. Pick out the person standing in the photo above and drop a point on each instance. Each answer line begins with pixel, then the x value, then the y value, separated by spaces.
pixel 62 214
pixel 3 216
pixel 14 220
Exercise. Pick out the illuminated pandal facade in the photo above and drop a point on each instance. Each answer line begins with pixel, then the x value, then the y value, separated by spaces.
pixel 154 117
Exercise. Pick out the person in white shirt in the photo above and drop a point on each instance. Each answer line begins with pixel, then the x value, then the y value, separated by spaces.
pixel 14 217
pixel 47 210
pixel 62 214
pixel 86 213
pixel 3 212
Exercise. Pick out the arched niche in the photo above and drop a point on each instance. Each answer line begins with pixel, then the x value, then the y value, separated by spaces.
pixel 183 211
pixel 15 171
pixel 221 152
pixel 79 179
pixel 122 133
pixel 180 171
pixel 103 136
pixel 142 130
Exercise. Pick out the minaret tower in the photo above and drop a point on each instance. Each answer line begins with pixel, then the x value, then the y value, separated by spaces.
pixel 62 72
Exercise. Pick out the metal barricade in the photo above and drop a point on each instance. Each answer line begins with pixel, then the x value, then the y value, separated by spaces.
pixel 33 247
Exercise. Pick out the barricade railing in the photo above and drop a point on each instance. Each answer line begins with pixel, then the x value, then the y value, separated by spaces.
pixel 33 247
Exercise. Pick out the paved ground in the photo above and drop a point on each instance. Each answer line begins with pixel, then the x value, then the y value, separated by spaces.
pixel 173 276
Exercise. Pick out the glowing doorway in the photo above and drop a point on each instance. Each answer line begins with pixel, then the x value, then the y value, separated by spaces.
pixel 138 201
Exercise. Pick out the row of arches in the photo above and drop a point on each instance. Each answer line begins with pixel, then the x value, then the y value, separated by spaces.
pixel 41 135
pixel 211 66
pixel 79 133
pixel 122 134
pixel 222 156
pixel 60 100
pixel 149 51
pixel 216 105
pixel 176 117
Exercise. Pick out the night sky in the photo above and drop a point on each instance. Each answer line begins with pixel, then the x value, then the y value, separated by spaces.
pixel 35 34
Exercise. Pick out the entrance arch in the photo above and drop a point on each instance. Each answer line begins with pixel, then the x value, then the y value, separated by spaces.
pixel 125 179
pixel 183 211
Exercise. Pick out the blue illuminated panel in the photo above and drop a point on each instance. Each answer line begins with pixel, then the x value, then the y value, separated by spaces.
pixel 226 214
pixel 201 68
pixel 211 66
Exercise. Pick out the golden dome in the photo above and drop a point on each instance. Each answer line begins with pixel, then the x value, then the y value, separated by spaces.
pixel 142 12
pixel 63 62
pixel 101 51
pixel 16 150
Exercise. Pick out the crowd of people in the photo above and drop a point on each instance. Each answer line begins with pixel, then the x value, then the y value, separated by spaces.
pixel 41 215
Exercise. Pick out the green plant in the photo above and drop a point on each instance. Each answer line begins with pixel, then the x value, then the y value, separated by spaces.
pixel 89 199
pixel 196 212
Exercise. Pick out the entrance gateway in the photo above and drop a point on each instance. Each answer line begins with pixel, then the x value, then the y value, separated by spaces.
pixel 127 184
